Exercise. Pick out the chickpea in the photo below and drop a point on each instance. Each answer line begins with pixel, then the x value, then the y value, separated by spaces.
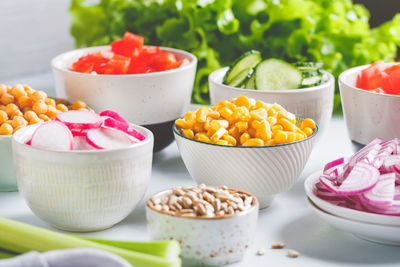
pixel 35 120
pixel 78 105
pixel 24 101
pixel 18 121
pixel 52 112
pixel 39 108
pixel 17 113
pixel 38 95
pixel 18 91
pixel 62 107
pixel 3 89
pixel 29 90
pixel 3 116
pixel 44 117
pixel 11 108
pixel 6 129
pixel 6 99
pixel 50 102
pixel 29 115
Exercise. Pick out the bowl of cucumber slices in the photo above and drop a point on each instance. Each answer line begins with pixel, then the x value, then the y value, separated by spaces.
pixel 303 88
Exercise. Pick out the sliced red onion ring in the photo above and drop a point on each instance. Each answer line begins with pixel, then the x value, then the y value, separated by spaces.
pixel 332 166
pixel 383 192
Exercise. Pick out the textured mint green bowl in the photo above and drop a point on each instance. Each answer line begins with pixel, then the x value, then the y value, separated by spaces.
pixel 8 182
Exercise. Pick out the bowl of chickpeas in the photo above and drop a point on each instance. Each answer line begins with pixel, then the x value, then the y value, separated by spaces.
pixel 21 105
pixel 256 146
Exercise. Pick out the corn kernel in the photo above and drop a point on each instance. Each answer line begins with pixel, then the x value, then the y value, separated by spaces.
pixel 231 140
pixel 287 125
pixel 244 137
pixel 254 142
pixel 190 118
pixel 213 114
pixel 242 126
pixel 207 124
pixel 201 115
pixel 272 112
pixel 307 123
pixel 264 131
pixel 216 124
pixel 308 131
pixel 226 113
pixel 280 137
pixel 300 137
pixel 218 134
pixel 242 101
pixel 222 142
pixel 234 132
pixel 286 115
pixel 259 114
pixel 272 121
pixel 182 124
pixel 261 104
pixel 202 137
pixel 276 128
pixel 291 137
pixel 198 127
pixel 188 133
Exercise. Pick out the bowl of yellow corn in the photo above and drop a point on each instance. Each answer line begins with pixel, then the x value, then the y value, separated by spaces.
pixel 252 145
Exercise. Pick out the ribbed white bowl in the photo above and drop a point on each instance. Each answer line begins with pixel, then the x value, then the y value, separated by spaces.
pixel 263 171
pixel 315 102
pixel 82 190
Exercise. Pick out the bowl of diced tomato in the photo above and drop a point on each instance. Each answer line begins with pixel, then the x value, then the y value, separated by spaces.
pixel 149 85
pixel 371 101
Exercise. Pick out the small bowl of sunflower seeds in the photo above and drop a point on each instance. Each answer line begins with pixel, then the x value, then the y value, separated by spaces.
pixel 214 225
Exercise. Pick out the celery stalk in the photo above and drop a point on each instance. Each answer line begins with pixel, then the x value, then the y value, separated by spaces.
pixel 169 249
pixel 20 238
pixel 6 254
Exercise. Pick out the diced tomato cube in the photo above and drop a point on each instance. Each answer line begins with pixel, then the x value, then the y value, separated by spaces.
pixel 119 64
pixel 147 54
pixel 394 83
pixel 371 77
pixel 84 67
pixel 164 61
pixel 391 69
pixel 138 66
pixel 133 39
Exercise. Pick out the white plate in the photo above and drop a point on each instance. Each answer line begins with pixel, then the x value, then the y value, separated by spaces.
pixel 385 234
pixel 346 212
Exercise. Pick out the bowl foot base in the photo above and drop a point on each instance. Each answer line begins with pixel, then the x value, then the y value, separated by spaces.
pixel 81 230
pixel 163 134
pixel 265 201
pixel 379 241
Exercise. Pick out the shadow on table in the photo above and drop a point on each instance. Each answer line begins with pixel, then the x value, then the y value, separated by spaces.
pixel 315 239
pixel 165 163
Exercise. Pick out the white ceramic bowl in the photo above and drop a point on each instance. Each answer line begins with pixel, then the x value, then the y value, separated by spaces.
pixel 380 233
pixel 367 114
pixel 263 171
pixel 347 213
pixel 205 241
pixel 84 190
pixel 153 100
pixel 8 181
pixel 314 102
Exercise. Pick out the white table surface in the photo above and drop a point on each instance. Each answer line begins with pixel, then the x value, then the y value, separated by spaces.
pixel 288 220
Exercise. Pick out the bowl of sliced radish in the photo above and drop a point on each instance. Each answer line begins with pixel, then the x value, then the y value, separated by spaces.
pixel 306 90
pixel 83 171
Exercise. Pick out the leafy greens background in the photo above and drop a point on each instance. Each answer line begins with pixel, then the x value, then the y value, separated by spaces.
pixel 336 33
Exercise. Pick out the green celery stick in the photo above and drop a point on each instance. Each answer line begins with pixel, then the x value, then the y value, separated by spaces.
pixel 169 249
pixel 20 238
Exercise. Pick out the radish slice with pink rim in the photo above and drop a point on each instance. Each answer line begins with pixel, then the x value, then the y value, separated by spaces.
pixel 80 143
pixel 361 178
pixel 80 119
pixel 52 135
pixel 109 122
pixel 108 138
pixel 115 116
pixel 383 192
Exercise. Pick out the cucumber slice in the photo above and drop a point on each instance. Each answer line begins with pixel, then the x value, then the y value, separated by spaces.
pixel 250 83
pixel 275 74
pixel 312 81
pixel 239 70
